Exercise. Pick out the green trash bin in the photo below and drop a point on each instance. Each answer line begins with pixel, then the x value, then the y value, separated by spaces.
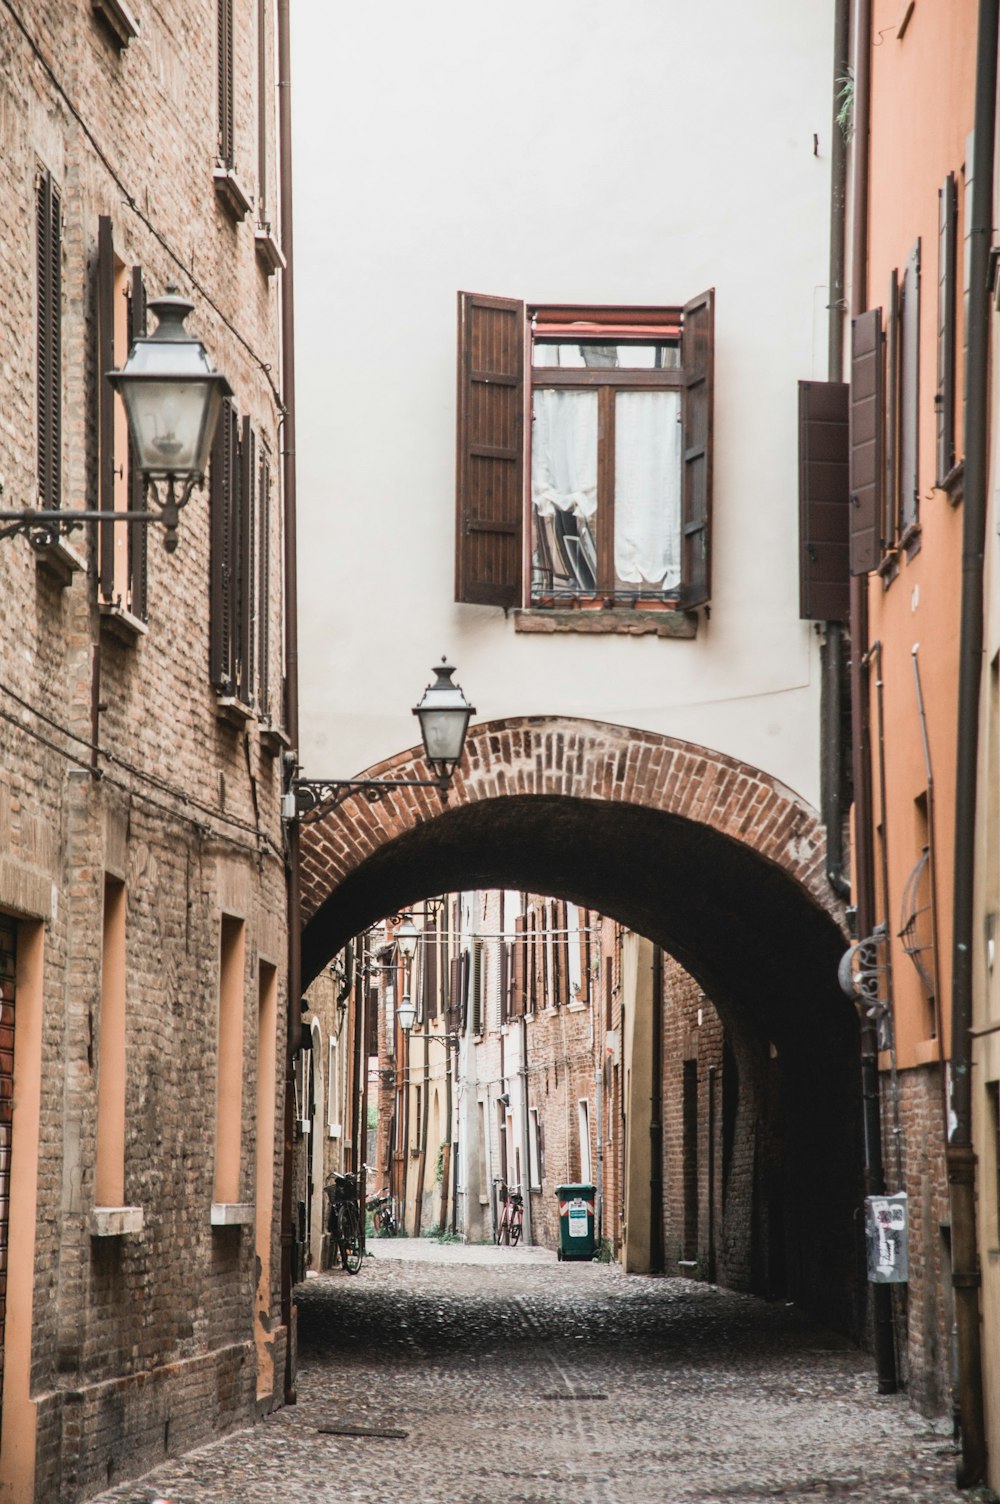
pixel 577 1221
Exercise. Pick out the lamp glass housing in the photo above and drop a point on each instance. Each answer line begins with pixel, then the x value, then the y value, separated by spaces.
pixel 172 396
pixel 406 1012
pixel 444 714
pixel 406 937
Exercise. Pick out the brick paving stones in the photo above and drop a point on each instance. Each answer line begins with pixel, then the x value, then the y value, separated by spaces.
pixel 521 1379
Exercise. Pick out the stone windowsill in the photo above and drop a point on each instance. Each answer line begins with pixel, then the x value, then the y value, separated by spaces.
pixel 630 623
pixel 269 252
pixel 232 1213
pixel 59 559
pixel 231 192
pixel 118 18
pixel 272 739
pixel 115 1221
pixel 228 708
pixel 122 623
pixel 953 484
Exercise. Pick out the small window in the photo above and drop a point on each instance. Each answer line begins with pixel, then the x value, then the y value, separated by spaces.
pixel 615 511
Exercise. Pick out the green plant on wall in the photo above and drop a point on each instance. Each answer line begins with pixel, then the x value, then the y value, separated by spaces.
pixel 845 105
pixel 439 1167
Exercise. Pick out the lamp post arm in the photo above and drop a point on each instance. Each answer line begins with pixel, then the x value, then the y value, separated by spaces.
pixel 314 796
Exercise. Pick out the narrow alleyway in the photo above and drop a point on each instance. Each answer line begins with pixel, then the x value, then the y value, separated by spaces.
pixel 517 1378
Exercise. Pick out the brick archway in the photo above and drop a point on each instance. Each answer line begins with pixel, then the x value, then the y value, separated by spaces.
pixel 577 759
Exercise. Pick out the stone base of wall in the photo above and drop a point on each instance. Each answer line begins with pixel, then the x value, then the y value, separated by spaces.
pixel 93 1437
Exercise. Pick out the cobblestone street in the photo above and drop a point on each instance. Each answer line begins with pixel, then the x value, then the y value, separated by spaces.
pixel 515 1377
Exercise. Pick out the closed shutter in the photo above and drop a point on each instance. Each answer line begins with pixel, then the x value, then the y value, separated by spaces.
pixel 490 484
pixel 48 288
pixel 223 481
pixel 824 496
pixel 890 512
pixel 519 1000
pixel 909 393
pixel 264 601
pixel 866 413
pixel 506 953
pixel 431 970
pixel 455 1020
pixel 946 341
pixel 246 577
pixel 371 1023
pixel 138 536
pixel 105 404
pixel 562 953
pixel 225 83
pixel 698 363
pixel 477 989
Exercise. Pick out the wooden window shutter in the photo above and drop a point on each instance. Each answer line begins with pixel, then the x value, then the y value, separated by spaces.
pixel 138 537
pixel 225 65
pixel 490 470
pixel 264 601
pixel 518 1000
pixel 245 574
pixel 506 957
pixel 431 969
pixel 105 280
pixel 562 952
pixel 890 509
pixel 48 286
pixel 909 393
pixel 824 497
pixel 866 440
pixel 223 483
pixel 476 988
pixel 946 341
pixel 698 364
pixel 455 993
pixel 371 1022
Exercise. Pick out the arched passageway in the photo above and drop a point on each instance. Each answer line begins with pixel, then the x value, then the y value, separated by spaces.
pixel 706 857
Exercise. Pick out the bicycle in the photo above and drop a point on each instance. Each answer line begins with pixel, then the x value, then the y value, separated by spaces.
pixel 380 1206
pixel 344 1223
pixel 511 1223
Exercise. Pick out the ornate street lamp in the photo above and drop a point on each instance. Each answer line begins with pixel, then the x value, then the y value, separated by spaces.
pixel 444 714
pixel 172 396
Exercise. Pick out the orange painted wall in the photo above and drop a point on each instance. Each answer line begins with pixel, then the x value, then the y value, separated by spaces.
pixel 922 103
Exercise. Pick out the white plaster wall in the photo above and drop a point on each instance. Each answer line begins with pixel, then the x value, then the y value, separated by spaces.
pixel 552 150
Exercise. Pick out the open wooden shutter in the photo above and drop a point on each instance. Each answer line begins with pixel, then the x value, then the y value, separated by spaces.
pixel 264 600
pixel 909 394
pixel 246 579
pixel 490 483
pixel 225 81
pixel 105 405
pixel 138 537
pixel 519 999
pixel 48 333
pixel 431 970
pixel 824 496
pixel 506 950
pixel 946 342
pixel 890 508
pixel 697 362
pixel 866 411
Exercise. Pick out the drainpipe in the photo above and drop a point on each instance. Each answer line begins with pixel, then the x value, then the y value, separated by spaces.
pixel 831 705
pixel 525 1138
pixel 291 672
pixel 961 1159
pixel 656 1249
pixel 885 1347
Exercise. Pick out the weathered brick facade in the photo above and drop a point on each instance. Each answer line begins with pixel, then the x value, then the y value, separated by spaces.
pixel 121 769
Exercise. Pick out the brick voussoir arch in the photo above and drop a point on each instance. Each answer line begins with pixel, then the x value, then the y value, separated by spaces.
pixel 579 759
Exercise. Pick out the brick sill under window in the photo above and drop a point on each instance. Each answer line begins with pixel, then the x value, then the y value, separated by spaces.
pixel 269 252
pixel 272 739
pixel 58 559
pixel 121 623
pixel 115 1221
pixel 953 484
pixel 628 622
pixel 230 191
pixel 233 711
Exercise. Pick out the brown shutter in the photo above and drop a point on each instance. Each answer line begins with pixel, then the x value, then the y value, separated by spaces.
pixel 890 511
pixel 490 485
pixel 371 1022
pixel 506 949
pixel 222 485
pixel 48 284
pixel 476 988
pixel 105 405
pixel 823 501
pixel 264 603
pixel 138 537
pixel 562 951
pixel 909 393
pixel 697 361
pixel 518 1002
pixel 225 64
pixel 866 440
pixel 947 281
pixel 245 620
pixel 455 1020
pixel 431 969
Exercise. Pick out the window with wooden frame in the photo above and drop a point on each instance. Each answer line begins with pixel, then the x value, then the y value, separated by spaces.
pixel 122 549
pixel 945 404
pixel 617 507
pixel 48 330
pixel 224 59
pixel 901 493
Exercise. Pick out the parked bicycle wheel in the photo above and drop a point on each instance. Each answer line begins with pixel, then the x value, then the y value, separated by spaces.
pixel 515 1231
pixel 349 1236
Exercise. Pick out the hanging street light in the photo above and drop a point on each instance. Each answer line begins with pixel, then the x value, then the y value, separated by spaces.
pixel 172 396
pixel 444 714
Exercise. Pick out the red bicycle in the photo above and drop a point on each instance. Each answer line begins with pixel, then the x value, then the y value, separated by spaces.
pixel 510 1224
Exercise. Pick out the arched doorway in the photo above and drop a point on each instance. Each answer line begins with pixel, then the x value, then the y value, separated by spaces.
pixel 708 858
